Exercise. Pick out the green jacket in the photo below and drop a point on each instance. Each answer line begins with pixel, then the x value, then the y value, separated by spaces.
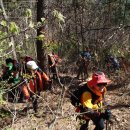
pixel 10 75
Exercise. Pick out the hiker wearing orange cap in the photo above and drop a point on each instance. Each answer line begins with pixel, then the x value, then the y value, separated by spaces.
pixel 93 102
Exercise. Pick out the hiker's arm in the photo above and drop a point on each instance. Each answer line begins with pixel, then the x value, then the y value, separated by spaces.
pixel 25 91
pixel 45 77
pixel 87 101
pixel 16 77
pixel 89 107
pixel 47 80
pixel 53 61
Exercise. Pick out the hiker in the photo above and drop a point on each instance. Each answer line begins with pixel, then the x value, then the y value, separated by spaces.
pixel 53 60
pixel 24 69
pixel 35 84
pixel 112 63
pixel 93 102
pixel 10 71
pixel 10 74
pixel 83 62
pixel 86 54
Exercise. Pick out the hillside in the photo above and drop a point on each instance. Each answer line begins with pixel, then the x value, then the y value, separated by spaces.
pixel 56 113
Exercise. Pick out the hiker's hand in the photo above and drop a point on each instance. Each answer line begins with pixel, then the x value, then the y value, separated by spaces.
pixel 107 114
pixel 93 113
pixel 96 114
pixel 50 82
pixel 51 66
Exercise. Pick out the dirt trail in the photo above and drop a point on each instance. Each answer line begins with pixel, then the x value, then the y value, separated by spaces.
pixel 64 118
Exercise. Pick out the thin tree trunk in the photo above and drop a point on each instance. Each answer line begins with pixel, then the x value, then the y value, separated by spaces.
pixel 41 50
pixel 11 38
pixel 75 2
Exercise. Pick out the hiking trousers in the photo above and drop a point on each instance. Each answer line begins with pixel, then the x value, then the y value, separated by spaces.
pixel 98 122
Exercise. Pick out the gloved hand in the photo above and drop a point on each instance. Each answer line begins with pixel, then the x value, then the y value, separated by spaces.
pixel 94 114
pixel 48 85
pixel 49 82
pixel 107 114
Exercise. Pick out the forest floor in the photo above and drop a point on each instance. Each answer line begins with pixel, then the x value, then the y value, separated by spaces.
pixel 55 111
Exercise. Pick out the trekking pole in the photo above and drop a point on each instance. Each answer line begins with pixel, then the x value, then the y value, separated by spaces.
pixel 106 124
pixel 15 86
pixel 109 125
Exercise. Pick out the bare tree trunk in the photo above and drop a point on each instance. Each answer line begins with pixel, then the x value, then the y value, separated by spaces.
pixel 76 28
pixel 81 31
pixel 11 38
pixel 41 50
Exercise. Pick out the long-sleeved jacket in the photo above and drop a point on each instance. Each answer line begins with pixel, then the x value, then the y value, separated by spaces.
pixel 92 99
pixel 35 84
pixel 10 74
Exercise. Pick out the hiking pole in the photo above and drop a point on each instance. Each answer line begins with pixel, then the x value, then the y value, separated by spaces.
pixel 15 86
pixel 106 124
pixel 109 125
pixel 24 80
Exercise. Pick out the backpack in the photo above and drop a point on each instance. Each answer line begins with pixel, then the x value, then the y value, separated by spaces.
pixel 86 55
pixel 76 94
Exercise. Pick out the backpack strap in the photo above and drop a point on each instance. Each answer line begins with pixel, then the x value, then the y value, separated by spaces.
pixel 94 96
pixel 104 100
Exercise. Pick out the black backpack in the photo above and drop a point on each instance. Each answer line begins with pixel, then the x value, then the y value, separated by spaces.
pixel 76 94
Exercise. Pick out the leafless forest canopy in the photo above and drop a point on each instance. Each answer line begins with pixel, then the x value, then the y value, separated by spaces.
pixel 36 27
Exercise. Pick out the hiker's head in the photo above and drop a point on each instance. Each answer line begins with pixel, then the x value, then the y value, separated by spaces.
pixel 98 81
pixel 27 58
pixel 51 53
pixel 32 66
pixel 9 63
pixel 9 60
pixel 87 48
